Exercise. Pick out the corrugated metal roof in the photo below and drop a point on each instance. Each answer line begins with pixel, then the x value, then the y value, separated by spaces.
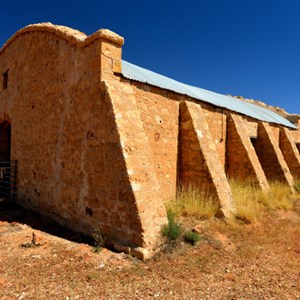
pixel 136 73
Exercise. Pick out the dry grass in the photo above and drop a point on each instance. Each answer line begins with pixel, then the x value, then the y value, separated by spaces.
pixel 240 262
pixel 297 185
pixel 252 203
pixel 191 202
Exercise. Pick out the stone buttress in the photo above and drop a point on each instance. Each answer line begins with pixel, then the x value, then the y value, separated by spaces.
pixel 144 188
pixel 200 164
pixel 290 152
pixel 242 162
pixel 270 156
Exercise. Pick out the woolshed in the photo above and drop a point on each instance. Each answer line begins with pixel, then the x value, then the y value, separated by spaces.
pixel 98 143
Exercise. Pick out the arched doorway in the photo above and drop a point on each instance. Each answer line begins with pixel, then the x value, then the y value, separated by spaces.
pixel 5 141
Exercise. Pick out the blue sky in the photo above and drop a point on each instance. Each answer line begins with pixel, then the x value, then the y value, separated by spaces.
pixel 238 47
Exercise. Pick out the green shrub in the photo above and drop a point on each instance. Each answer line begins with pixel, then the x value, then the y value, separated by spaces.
pixel 191 237
pixel 172 230
pixel 99 240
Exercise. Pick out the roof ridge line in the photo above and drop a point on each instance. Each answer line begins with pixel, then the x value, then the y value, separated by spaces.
pixel 71 35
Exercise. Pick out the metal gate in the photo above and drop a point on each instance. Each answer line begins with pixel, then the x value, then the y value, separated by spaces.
pixel 8 179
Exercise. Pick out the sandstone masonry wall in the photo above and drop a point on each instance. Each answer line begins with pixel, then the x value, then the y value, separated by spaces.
pixel 66 138
pixel 96 151
pixel 200 164
pixel 290 152
pixel 295 134
pixel 251 126
pixel 140 169
pixel 216 119
pixel 162 133
pixel 270 156
pixel 159 114
pixel 242 161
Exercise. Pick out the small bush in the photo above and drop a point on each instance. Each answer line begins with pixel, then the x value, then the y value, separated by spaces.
pixel 172 230
pixel 191 237
pixel 99 240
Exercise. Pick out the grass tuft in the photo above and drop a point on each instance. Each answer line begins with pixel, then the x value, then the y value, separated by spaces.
pixel 172 230
pixel 191 202
pixel 99 240
pixel 191 237
pixel 251 202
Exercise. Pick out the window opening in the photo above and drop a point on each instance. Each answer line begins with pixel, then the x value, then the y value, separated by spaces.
pixel 5 80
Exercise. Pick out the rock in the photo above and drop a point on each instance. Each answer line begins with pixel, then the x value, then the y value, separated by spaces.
pixel 38 239
pixel 198 228
pixel 2 283
pixel 22 296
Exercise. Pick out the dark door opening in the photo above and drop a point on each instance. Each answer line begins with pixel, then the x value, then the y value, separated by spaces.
pixel 8 168
pixel 5 141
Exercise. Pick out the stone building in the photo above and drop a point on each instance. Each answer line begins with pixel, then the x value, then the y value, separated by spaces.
pixel 101 143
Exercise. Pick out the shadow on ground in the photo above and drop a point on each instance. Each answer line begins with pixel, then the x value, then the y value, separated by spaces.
pixel 13 213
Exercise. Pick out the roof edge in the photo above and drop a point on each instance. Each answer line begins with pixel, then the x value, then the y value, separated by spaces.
pixel 69 34
pixel 139 74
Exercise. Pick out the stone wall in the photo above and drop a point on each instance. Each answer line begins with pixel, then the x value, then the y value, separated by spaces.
pixel 66 138
pixel 160 116
pixel 200 165
pixel 270 156
pixel 242 162
pixel 290 152
pixel 96 151
pixel 295 134
pixel 216 120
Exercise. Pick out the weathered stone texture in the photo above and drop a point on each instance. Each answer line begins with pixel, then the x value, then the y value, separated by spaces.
pixel 216 120
pixel 200 164
pixel 251 126
pixel 275 132
pixel 98 151
pixel 242 162
pixel 65 136
pixel 270 156
pixel 139 164
pixel 110 59
pixel 295 134
pixel 160 122
pixel 290 152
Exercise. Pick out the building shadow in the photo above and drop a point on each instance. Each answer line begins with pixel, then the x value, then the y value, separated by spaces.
pixel 14 213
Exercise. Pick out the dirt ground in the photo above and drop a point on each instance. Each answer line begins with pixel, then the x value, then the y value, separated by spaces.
pixel 260 261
